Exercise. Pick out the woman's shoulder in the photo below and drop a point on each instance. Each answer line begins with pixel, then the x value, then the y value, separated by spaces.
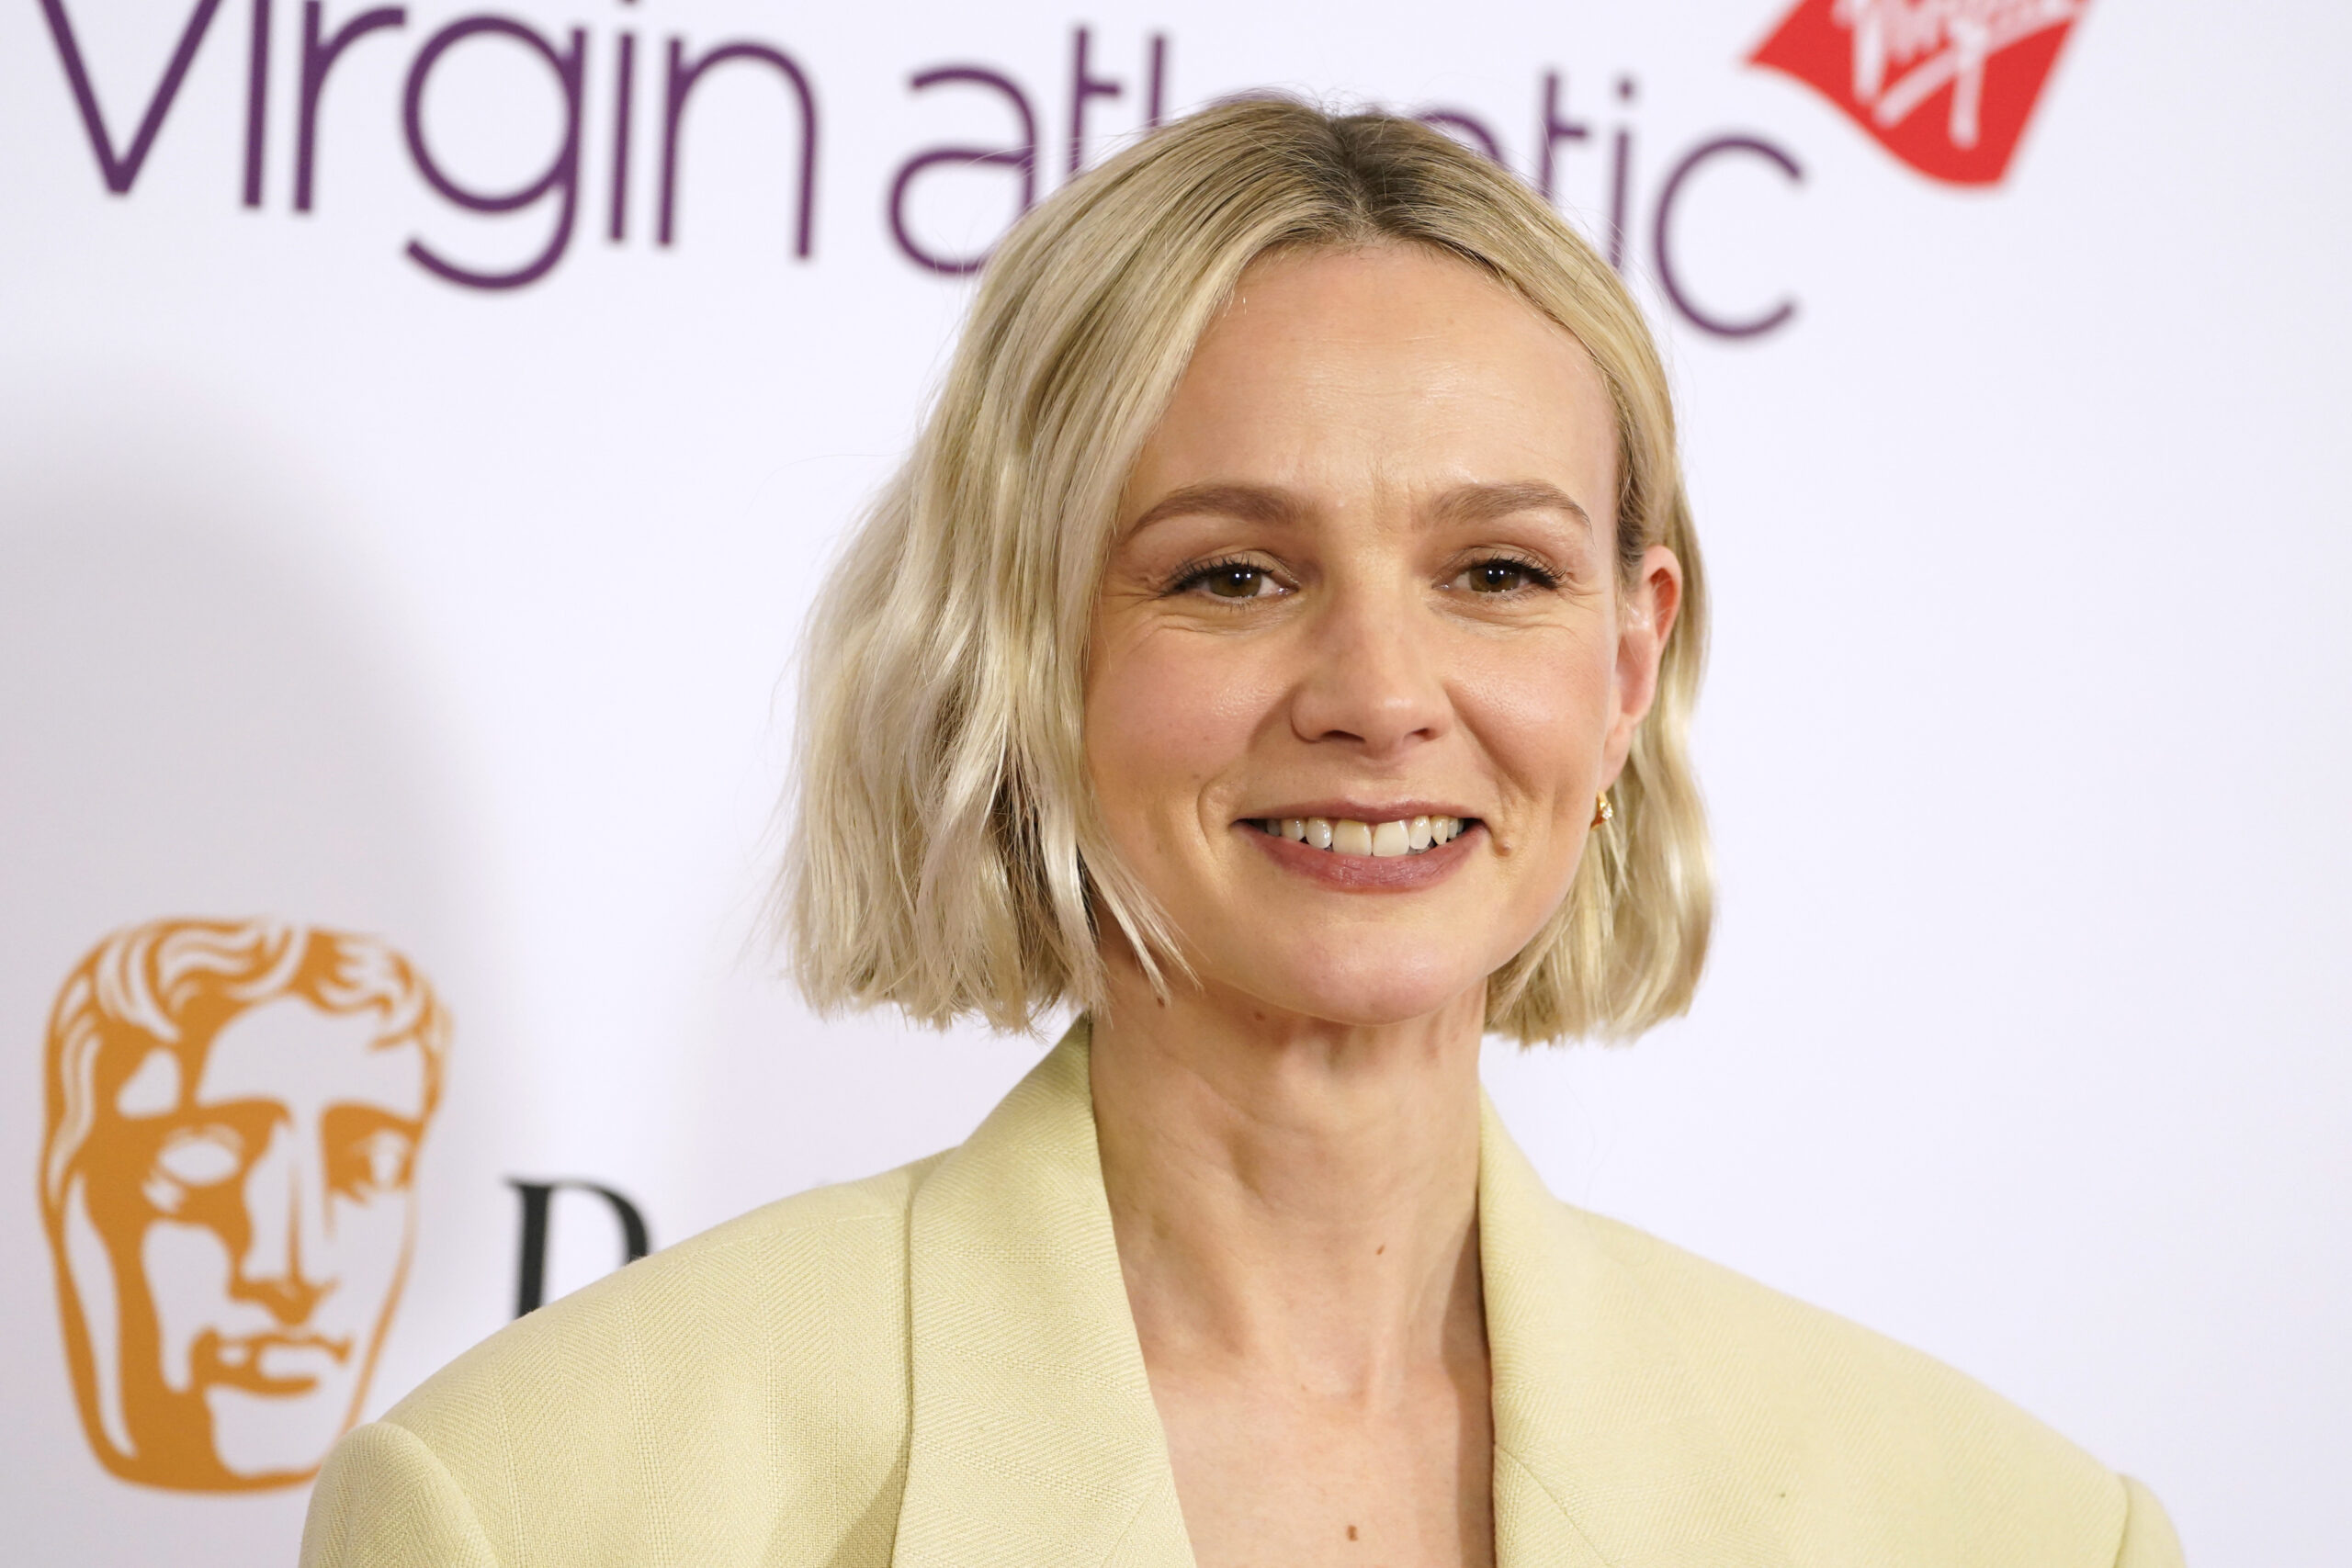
pixel 749 1382
pixel 1859 1431
pixel 753 1289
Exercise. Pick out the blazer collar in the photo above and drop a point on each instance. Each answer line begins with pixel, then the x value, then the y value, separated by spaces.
pixel 1035 1441
pixel 1606 1449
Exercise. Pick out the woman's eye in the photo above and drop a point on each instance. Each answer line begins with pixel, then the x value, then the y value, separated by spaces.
pixel 1234 581
pixel 1501 576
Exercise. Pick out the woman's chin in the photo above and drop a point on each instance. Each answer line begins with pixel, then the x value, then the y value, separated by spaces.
pixel 1369 991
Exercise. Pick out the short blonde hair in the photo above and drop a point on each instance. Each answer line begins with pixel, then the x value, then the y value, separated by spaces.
pixel 948 858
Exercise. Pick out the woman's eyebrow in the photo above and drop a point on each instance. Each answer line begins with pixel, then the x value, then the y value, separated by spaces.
pixel 1249 503
pixel 1269 504
pixel 1485 502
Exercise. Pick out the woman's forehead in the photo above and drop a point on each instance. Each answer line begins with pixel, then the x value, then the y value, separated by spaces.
pixel 1390 366
pixel 1380 300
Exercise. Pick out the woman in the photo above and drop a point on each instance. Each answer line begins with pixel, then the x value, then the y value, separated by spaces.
pixel 1279 649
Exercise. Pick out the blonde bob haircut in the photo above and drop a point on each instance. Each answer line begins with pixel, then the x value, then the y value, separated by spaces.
pixel 948 857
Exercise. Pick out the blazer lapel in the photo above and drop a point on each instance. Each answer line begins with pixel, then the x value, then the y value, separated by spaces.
pixel 1035 1441
pixel 1605 1449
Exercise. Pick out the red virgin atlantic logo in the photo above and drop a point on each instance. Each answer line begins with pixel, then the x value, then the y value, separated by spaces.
pixel 1945 86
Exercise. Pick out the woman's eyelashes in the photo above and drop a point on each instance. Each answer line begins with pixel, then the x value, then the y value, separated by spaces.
pixel 1231 580
pixel 1501 576
pixel 1238 579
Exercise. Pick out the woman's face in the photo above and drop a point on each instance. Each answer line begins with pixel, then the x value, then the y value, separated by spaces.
pixel 1364 575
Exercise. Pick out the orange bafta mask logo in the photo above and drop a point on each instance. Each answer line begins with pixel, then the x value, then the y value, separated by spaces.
pixel 233 1114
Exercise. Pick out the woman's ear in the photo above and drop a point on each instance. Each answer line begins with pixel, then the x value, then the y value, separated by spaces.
pixel 1646 619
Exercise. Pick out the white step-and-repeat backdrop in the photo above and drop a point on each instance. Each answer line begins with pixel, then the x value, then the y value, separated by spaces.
pixel 423 429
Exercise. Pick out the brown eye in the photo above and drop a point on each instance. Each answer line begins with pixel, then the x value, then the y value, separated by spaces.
pixel 1230 580
pixel 1498 575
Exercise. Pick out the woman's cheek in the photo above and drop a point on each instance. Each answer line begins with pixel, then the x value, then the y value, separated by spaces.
pixel 1540 710
pixel 1147 726
pixel 1174 707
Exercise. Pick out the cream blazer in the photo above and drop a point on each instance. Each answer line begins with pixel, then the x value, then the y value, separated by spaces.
pixel 936 1369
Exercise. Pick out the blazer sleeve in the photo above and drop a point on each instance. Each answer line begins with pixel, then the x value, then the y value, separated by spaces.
pixel 384 1501
pixel 2148 1537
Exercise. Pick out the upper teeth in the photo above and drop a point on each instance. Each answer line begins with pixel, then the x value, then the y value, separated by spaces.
pixel 1405 836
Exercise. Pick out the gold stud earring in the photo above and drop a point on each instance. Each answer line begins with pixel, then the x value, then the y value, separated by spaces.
pixel 1602 810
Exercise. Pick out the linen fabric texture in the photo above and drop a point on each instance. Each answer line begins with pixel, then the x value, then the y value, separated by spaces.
pixel 936 1367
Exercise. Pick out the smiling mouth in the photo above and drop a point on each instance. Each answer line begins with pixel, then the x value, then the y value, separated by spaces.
pixel 1345 836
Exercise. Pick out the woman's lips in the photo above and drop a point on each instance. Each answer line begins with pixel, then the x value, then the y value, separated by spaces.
pixel 1367 872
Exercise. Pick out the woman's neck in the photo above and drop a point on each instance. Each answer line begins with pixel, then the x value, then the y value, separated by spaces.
pixel 1291 1197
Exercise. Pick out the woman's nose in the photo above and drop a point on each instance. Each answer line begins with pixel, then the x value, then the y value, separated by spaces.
pixel 286 1244
pixel 1374 677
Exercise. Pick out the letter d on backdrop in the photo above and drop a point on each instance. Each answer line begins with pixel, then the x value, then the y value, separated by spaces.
pixel 531 1272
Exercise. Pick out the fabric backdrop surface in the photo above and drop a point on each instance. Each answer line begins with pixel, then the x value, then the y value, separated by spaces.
pixel 424 429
